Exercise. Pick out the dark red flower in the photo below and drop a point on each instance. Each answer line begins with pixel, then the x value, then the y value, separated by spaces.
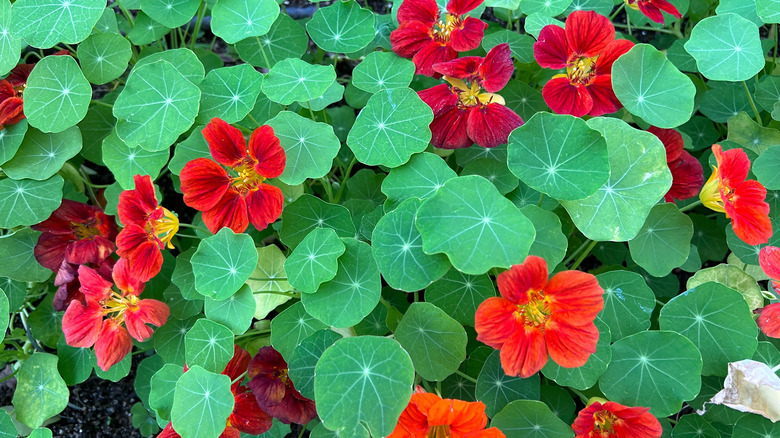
pixel 652 9
pixel 148 228
pixel 613 420
pixel 586 49
pixel 68 285
pixel 427 38
pixel 468 111
pixel 234 201
pixel 687 173
pixel 75 233
pixel 275 392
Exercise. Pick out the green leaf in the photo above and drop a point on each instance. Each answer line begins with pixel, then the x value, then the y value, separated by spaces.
pixel 307 213
pixel 392 127
pixel 768 10
pixel 162 387
pixel 732 277
pixel 495 171
pixel 57 94
pixel 7 427
pixel 42 432
pixel 523 99
pixel 531 419
pixel 694 426
pixel 235 20
pixel 168 340
pixel 353 292
pixel 193 147
pixel 117 371
pixel 651 87
pixel 548 8
pixel 10 47
pixel 4 317
pixel 664 241
pixel 702 132
pixel 269 276
pixel 305 358
pixel 156 106
pixel 16 251
pixel 286 39
pixel 382 71
pixel 146 31
pixel 143 377
pixel 11 137
pixel 310 146
pixel 42 155
pixel 229 92
pixel 559 155
pixel 40 391
pixel 235 312
pixel 315 260
pixel 585 376
pixel 459 294
pixel 202 402
pixel 44 23
pixel 104 57
pixel 483 229
pixel 75 364
pixel 397 247
pixel 496 389
pixel 628 303
pixel 170 13
pixel 723 101
pixel 223 263
pixel 717 320
pixel 342 27
pixel 726 48
pixel 363 380
pixel 185 61
pixel 534 23
pixel 749 134
pixel 209 345
pixel 751 426
pixel 768 92
pixel 293 80
pixel 333 94
pixel 603 7
pixel 183 307
pixel 28 202
pixel 550 242
pixel 522 46
pixel 435 342
pixel 421 177
pixel 742 8
pixel 639 177
pixel 125 162
pixel 655 369
pixel 290 327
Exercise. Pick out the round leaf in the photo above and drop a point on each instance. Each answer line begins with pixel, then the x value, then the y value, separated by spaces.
pixel 170 13
pixel 754 426
pixel 496 389
pixel 168 340
pixel 11 137
pixel 209 345
pixel 184 60
pixel 628 303
pixel 315 260
pixel 733 277
pixel 162 387
pixel 459 294
pixel 202 403
pixel 10 47
pixel 28 202
pixel 235 20
pixel 40 391
pixel 694 426
pixel 381 71
pixel 291 327
pixel 75 364
pixel 44 23
pixel 104 57
pixel 16 251
pixel 550 242
pixel 125 162
pixel 522 46
pixel 768 10
pixel 531 419
pixel 286 39
pixel 726 48
pixel 269 276
pixel 223 263
pixel 305 358
pixel 767 168
pixel 548 8
pixel 421 177
pixel 307 213
pixel 235 312
pixel 296 80
pixel 342 27
pixel 42 155
pixel 310 146
pixel 145 30
pixel 664 241
pixel 57 94
pixel 229 93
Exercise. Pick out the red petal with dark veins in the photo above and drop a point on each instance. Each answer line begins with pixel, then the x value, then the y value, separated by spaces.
pixel 135 206
pixel 733 165
pixel 749 213
pixel 410 38
pixel 11 111
pixel 672 140
pixel 604 99
pixel 588 33
pixel 50 250
pixel 610 54
pixel 469 35
pixel 247 415
pixel 238 365
pixel 489 125
pixel 565 98
pixel 112 345
pixel 466 67
pixel 687 178
pixel 432 53
pixel 81 325
pixel 574 297
pixel 461 7
pixel 203 183
pixel 570 346
pixel 226 143
pixel 448 129
pixel 168 432
pixel 145 261
pixel 125 280
pixel 769 259
pixel 426 11
pixel 265 148
pixel 551 49
pixel 667 7
pixel 264 205
pixel 81 252
pixel 769 320
pixel 440 98
pixel 495 321
pixel 514 283
pixel 651 11
pixel 146 312
pixel 497 68
pixel 93 285
pixel 230 211
pixel 7 90
pixel 524 353
pixel 129 239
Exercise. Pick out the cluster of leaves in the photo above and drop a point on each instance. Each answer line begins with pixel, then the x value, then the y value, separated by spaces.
pixel 369 282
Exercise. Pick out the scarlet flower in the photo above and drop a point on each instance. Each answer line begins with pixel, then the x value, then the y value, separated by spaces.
pixel 148 229
pixel 652 9
pixel 75 233
pixel 467 111
pixel 247 417
pixel 687 173
pixel 11 91
pixel 428 415
pixel 743 201
pixel 613 420
pixel 586 49
pixel 428 38
pixel 275 392
pixel 769 317
pixel 107 315
pixel 67 282
pixel 234 201
pixel 534 316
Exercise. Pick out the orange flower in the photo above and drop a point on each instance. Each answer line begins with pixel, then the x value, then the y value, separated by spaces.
pixel 430 416
pixel 613 420
pixel 743 201
pixel 533 317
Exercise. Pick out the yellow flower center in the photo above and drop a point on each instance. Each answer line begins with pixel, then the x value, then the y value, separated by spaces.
pixel 118 304
pixel 536 312
pixel 581 70
pixel 632 4
pixel 442 431
pixel 710 193
pixel 247 179
pixel 604 421
pixel 443 28
pixel 165 228
pixel 84 232
pixel 472 94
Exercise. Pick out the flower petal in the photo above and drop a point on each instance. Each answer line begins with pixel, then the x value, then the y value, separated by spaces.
pixel 238 365
pixel 430 54
pixel 247 416
pixel 426 11
pixel 489 125
pixel 551 49
pixel 464 418
pixel 564 98
pixel 575 297
pixel 460 7
pixel 135 206
pixel 203 183
pixel 439 98
pixel 749 213
pixel 469 35
pixel 410 38
pixel 667 7
pixel 226 143
pixel 230 211
pixel 769 259
pixel 515 283
pixel 604 99
pixel 495 321
pixel 81 325
pixel 145 312
pixel 733 165
pixel 570 346
pixel 651 11
pixel 112 345
pixel 610 54
pixel 11 111
pixel 125 279
pixel 448 129
pixel 264 205
pixel 769 320
pixel 672 140
pixel 93 285
pixel 524 353
pixel 588 33
pixel 81 252
pixel 497 68
pixel 687 177
pixel 50 250
pixel 466 67
pixel 265 148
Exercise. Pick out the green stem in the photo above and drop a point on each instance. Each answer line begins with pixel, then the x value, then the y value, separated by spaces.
pixel 285 294
pixel 576 251
pixel 97 102
pixel 691 206
pixel 255 333
pixel 268 279
pixel 262 51
pixel 303 429
pixel 328 189
pixel 311 111
pixel 198 22
pixel 254 120
pixel 582 396
pixel 628 27
pixel 465 376
pixel 584 255
pixel 752 104
pixel 188 236
pixel 126 13
pixel 344 180
pixel 23 317
pixel 615 14
pixel 541 199
pixel 194 227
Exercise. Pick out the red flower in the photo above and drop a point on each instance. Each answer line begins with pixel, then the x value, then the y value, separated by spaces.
pixel 687 173
pixel 652 9
pixel 75 233
pixel 247 417
pixel 11 91
pixel 68 285
pixel 467 111
pixel 234 201
pixel 742 200
pixel 106 316
pixel 613 420
pixel 275 392
pixel 148 229
pixel 535 316
pixel 586 49
pixel 769 317
pixel 427 38
pixel 428 415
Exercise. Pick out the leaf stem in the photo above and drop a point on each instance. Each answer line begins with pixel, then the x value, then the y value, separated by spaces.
pixel 268 279
pixel 262 51
pixel 628 27
pixel 691 206
pixel 98 102
pixel 465 376
pixel 615 14
pixel 541 199
pixel 584 254
pixel 576 251
pixel 198 22
pixel 344 180
pixel 285 294
pixel 752 104
pixel 194 227
pixel 328 189
pixel 23 317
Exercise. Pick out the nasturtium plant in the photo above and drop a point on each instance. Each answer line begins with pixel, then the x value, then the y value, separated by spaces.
pixel 346 219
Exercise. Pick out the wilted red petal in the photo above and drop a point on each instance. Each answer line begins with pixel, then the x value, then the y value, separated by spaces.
pixel 551 49
pixel 112 345
pixel 440 98
pixel 11 111
pixel 145 312
pixel 570 346
pixel 672 140
pixel 564 98
pixel 266 361
pixel 448 129
pixel 495 321
pixel 81 325
pixel 514 283
pixel 733 165
pixel 226 143
pixel 489 125
pixel 469 35
pixel 461 7
pixel 247 415
pixel 749 213
pixel 50 250
pixel 7 90
pixel 574 296
pixel 524 353
pixel 93 285
pixel 125 279
pixel 497 68
pixel 687 177
pixel 610 54
pixel 769 320
pixel 623 421
pixel 769 259
pixel 83 251
pixel 203 183
pixel 430 54
pixel 230 211
pixel 588 33
pixel 264 205
pixel 604 99
pixel 426 11
pixel 265 148
pixel 268 390
pixel 410 38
